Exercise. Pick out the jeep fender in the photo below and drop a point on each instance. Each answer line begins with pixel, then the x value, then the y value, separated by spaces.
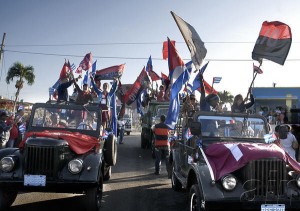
pixel 91 171
pixel 18 170
pixel 209 189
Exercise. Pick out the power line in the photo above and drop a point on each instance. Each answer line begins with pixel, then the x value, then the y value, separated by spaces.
pixel 129 58
pixel 125 43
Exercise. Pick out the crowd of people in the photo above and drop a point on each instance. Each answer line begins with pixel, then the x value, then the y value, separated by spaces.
pixel 12 127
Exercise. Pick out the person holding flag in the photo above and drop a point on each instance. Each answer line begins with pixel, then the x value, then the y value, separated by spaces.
pixel 239 104
pixel 209 102
pixel 104 98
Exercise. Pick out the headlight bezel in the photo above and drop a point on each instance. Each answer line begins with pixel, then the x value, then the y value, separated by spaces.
pixel 75 164
pixel 9 160
pixel 229 182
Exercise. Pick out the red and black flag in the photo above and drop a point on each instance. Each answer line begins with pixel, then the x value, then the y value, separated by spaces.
pixel 139 84
pixel 273 43
pixel 110 73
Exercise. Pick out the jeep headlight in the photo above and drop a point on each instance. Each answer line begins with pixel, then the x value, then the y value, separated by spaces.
pixel 75 166
pixel 229 182
pixel 7 164
pixel 298 181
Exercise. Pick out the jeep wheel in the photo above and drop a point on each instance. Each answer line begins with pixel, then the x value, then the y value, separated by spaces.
pixel 176 185
pixel 196 202
pixel 93 198
pixel 107 174
pixel 110 151
pixel 7 198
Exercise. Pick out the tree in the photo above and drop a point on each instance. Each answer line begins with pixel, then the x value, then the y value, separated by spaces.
pixel 21 72
pixel 226 97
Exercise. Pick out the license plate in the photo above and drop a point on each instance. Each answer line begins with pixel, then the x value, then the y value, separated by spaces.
pixel 34 180
pixel 272 207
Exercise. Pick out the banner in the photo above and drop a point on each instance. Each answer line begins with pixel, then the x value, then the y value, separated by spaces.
pixel 110 73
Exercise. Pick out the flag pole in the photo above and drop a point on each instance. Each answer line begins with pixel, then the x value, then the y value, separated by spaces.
pixel 260 63
pixel 212 86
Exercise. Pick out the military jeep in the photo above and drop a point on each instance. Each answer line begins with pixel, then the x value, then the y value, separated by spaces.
pixel 63 151
pixel 152 117
pixel 232 160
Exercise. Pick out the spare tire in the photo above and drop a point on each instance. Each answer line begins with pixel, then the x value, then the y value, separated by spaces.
pixel 110 150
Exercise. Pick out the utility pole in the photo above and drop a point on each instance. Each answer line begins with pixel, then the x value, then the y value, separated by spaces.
pixel 2 46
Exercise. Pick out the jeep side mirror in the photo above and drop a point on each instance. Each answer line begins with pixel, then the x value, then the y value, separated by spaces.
pixel 195 128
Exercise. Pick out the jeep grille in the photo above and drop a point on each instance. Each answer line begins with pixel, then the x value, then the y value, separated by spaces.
pixel 266 177
pixel 40 160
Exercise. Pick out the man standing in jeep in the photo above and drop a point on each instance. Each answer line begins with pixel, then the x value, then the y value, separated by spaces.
pixel 161 144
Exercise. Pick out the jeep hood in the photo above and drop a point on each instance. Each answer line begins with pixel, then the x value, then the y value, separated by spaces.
pixel 225 158
pixel 78 142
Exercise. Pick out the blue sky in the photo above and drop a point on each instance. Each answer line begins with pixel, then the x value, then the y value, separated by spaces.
pixel 118 32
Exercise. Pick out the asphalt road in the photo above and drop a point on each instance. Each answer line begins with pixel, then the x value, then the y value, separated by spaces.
pixel 132 187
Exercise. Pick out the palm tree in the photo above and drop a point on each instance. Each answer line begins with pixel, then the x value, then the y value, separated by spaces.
pixel 226 97
pixel 21 72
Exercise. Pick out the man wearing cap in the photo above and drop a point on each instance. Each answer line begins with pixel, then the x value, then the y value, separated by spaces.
pixel 4 129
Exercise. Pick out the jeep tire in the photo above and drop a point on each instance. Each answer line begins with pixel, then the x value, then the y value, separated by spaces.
pixel 110 151
pixel 93 198
pixel 7 198
pixel 196 202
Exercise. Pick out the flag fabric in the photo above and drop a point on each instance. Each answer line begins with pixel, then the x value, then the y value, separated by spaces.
pixel 114 119
pixel 149 66
pixel 196 82
pixel 165 48
pixel 149 69
pixel 65 72
pixel 257 69
pixel 173 113
pixel 174 107
pixel 217 80
pixel 189 88
pixel 208 88
pixel 85 78
pixel 181 80
pixel 71 67
pixel 94 68
pixel 176 64
pixel 225 158
pixel 273 43
pixel 85 64
pixel 192 39
pixel 110 73
pixel 165 81
pixel 132 93
pixel 139 100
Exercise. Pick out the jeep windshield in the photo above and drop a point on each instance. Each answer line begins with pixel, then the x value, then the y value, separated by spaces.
pixel 75 118
pixel 232 126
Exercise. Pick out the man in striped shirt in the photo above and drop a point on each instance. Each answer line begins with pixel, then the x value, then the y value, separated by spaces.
pixel 161 144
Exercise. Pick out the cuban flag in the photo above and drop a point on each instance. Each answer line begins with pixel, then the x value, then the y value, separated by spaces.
pixel 217 80
pixel 176 64
pixel 174 107
pixel 196 82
